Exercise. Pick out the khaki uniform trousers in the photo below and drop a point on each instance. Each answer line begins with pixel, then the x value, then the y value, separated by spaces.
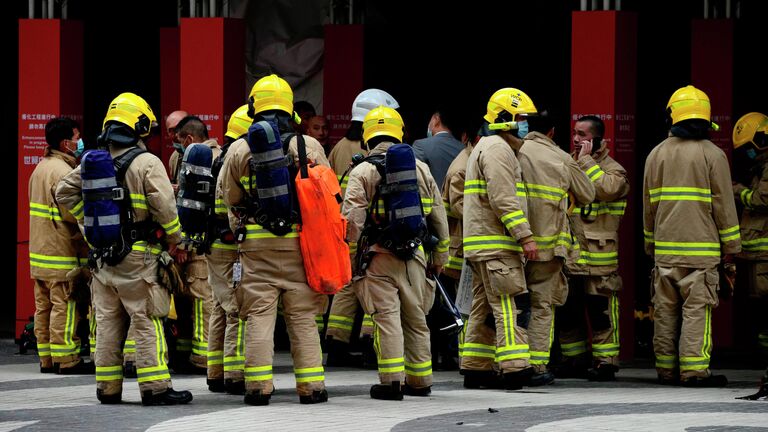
pixel 55 323
pixel 599 296
pixel 194 311
pixel 549 288
pixel 129 347
pixel 496 331
pixel 226 347
pixel 130 290
pixel 341 318
pixel 269 276
pixel 687 295
pixel 397 296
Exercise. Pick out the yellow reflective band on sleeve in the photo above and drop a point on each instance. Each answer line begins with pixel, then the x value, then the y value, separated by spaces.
pixel 256 231
pixel 730 234
pixel 746 197
pixel 648 236
pixel 426 204
pixel 309 374
pixel 680 194
pixel 442 246
pixel 220 207
pixel 172 226
pixel 245 182
pixel 760 244
pixel 475 187
pixel 393 365
pixel 520 189
pixel 77 210
pixel 109 373
pixel 665 361
pixel 544 192
pixel 491 242
pixel 454 263
pixel 687 248
pixel 154 373
pixel 52 261
pixel 139 201
pixel 258 373
pixel 595 172
pixel 513 219
pixel 419 369
pixel 340 322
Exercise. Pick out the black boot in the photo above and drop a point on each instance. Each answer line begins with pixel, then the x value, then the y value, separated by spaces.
pixel 257 398
pixel 317 396
pixel 516 380
pixel 538 379
pixel 572 367
pixel 420 391
pixel 168 397
pixel 129 370
pixel 602 372
pixel 710 381
pixel 339 355
pixel 391 391
pixel 474 379
pixel 761 395
pixel 81 368
pixel 52 369
pixel 216 385
pixel 106 399
pixel 234 387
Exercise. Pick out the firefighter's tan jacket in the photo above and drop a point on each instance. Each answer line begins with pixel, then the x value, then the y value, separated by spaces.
pixel 754 217
pixel 495 215
pixel 596 225
pixel 235 184
pixel 689 215
pixel 224 217
pixel 341 158
pixel 150 195
pixel 56 245
pixel 453 201
pixel 361 190
pixel 549 175
pixel 174 164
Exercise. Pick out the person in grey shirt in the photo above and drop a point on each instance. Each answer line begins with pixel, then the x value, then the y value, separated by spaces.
pixel 440 147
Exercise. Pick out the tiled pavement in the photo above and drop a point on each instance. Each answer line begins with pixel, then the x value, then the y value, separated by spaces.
pixel 30 401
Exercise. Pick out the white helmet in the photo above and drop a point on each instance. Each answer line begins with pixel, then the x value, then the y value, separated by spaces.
pixel 370 99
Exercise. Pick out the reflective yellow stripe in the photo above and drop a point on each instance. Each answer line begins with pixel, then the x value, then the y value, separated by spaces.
pixel 680 194
pixel 666 361
pixel 154 373
pixel 760 244
pixel 419 369
pixel 220 208
pixel 598 258
pixel 141 246
pixel 309 374
pixel 426 204
pixel 491 242
pixel 52 261
pixel 77 210
pixel 479 350
pixel 215 358
pixel 109 373
pixel 454 263
pixel 217 244
pixel 729 234
pixel 544 192
pixel 574 349
pixel 616 208
pixel 595 172
pixel 352 248
pixel 258 373
pixel 256 231
pixel 513 219
pixel 245 182
pixel 549 242
pixel 139 201
pixel 475 187
pixel 648 236
pixel 172 226
pixel 687 248
pixel 44 211
pixel 393 365
pixel 340 322
pixel 442 246
pixel 746 197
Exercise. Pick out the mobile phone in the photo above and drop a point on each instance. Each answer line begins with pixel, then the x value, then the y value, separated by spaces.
pixel 596 141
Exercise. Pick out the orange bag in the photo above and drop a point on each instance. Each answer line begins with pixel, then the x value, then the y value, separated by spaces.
pixel 323 228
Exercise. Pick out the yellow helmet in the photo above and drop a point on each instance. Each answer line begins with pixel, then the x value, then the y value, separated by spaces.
pixel 747 126
pixel 270 93
pixel 239 123
pixel 689 103
pixel 133 111
pixel 383 121
pixel 511 100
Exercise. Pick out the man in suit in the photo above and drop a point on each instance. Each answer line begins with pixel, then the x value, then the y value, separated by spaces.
pixel 440 147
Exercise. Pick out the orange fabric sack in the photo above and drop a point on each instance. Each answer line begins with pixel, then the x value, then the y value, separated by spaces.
pixel 323 228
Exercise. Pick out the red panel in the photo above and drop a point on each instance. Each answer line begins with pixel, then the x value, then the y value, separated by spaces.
pixel 714 75
pixel 342 75
pixel 25 295
pixel 209 48
pixel 603 82
pixel 169 84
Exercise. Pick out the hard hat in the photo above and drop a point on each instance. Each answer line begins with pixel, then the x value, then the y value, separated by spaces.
pixel 270 93
pixel 132 111
pixel 511 100
pixel 370 99
pixel 747 126
pixel 239 123
pixel 382 121
pixel 689 103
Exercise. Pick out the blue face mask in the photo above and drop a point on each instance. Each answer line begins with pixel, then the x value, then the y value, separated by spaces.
pixel 751 153
pixel 522 129
pixel 429 132
pixel 80 147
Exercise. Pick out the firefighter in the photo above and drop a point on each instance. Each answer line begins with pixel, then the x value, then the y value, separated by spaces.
pixel 594 282
pixel 56 252
pixel 272 265
pixel 345 304
pixel 690 225
pixel 750 144
pixel 126 286
pixel 226 348
pixel 394 288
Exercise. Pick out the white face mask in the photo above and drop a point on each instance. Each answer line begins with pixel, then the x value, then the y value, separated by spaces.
pixel 429 132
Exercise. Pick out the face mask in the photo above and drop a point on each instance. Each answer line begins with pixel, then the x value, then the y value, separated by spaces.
pixel 179 147
pixel 429 132
pixel 80 147
pixel 522 129
pixel 751 153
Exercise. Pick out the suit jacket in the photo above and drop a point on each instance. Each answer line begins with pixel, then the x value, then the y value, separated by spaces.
pixel 438 152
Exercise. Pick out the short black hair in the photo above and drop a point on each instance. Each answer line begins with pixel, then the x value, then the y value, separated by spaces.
pixel 302 106
pixel 192 125
pixel 59 129
pixel 541 122
pixel 598 127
